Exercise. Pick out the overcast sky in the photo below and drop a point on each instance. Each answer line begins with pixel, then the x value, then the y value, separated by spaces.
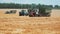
pixel 47 2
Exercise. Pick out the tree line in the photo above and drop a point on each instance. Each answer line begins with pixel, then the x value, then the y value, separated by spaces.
pixel 19 6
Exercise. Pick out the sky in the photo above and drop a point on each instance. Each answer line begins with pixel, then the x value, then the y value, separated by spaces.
pixel 46 2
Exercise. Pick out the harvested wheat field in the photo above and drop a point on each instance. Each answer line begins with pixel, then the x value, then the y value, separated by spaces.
pixel 55 13
pixel 14 24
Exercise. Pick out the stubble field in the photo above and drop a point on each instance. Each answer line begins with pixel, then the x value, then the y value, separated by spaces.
pixel 14 24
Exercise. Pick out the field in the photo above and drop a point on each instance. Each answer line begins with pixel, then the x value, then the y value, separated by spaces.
pixel 14 24
pixel 55 13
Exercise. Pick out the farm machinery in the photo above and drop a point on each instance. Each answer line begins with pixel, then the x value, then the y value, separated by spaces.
pixel 35 13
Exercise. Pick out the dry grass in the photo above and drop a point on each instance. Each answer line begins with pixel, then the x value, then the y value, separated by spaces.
pixel 14 24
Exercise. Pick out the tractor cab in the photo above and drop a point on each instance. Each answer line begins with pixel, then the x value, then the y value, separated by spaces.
pixel 23 13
